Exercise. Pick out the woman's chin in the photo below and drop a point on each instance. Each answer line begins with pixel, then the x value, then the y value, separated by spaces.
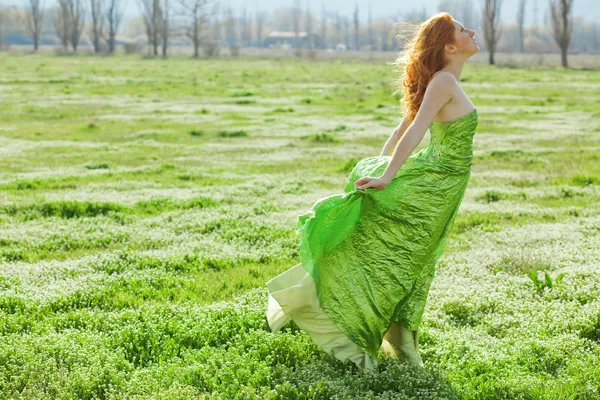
pixel 474 52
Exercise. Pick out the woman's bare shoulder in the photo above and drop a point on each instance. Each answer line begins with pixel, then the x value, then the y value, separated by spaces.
pixel 443 82
pixel 443 76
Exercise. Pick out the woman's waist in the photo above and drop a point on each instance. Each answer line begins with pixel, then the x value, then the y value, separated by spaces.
pixel 446 155
pixel 458 162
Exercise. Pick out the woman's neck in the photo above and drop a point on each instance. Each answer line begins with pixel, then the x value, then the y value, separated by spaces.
pixel 455 69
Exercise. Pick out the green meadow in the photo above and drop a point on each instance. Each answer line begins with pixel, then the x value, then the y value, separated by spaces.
pixel 144 203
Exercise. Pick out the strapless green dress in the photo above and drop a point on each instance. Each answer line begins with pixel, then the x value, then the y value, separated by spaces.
pixel 367 257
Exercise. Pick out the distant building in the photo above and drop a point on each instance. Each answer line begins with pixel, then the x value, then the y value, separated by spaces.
pixel 287 39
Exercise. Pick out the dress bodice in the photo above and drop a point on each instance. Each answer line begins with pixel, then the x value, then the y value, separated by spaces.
pixel 451 142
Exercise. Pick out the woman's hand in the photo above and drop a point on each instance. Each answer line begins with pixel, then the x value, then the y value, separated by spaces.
pixel 371 182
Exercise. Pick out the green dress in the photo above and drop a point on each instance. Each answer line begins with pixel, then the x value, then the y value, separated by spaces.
pixel 369 255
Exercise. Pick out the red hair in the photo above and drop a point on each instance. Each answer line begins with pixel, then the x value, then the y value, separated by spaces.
pixel 423 56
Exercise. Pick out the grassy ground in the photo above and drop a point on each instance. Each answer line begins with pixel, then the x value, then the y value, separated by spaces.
pixel 144 204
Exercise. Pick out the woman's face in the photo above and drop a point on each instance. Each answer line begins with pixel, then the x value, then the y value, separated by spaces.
pixel 464 40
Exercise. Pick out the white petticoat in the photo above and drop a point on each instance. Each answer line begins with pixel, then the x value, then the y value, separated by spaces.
pixel 293 295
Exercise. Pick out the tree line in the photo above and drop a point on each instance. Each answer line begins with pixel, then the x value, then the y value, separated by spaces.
pixel 209 26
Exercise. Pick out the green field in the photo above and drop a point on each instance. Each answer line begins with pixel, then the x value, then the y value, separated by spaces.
pixel 145 203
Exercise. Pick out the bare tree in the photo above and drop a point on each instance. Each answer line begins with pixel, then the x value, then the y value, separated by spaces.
pixel 216 26
pixel 491 27
pixel 151 13
pixel 323 25
pixel 370 22
pixel 520 23
pixel 231 34
pixel 76 16
pixel 296 23
pixel 356 28
pixel 309 26
pixel 164 26
pixel 68 22
pixel 247 27
pixel 1 30
pixel 196 18
pixel 562 26
pixel 594 37
pixel 230 31
pixel 243 27
pixel 34 17
pixel 114 17
pixel 535 12
pixel 261 18
pixel 385 33
pixel 97 28
pixel 347 32
pixel 61 22
pixel 338 28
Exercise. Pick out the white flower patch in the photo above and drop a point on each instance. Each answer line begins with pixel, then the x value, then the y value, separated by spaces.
pixel 47 280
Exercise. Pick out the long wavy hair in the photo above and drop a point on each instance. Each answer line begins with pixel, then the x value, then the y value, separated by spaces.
pixel 421 58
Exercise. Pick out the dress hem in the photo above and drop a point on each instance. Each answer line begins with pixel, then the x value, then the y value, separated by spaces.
pixel 293 296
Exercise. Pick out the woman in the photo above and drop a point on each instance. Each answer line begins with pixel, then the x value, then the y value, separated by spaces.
pixel 368 256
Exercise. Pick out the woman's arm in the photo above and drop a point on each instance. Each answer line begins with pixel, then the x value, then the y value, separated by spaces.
pixel 392 141
pixel 438 93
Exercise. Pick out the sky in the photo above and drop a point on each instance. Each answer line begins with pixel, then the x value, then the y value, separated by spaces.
pixel 590 9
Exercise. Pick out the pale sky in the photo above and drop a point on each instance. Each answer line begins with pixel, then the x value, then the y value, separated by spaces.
pixel 590 9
